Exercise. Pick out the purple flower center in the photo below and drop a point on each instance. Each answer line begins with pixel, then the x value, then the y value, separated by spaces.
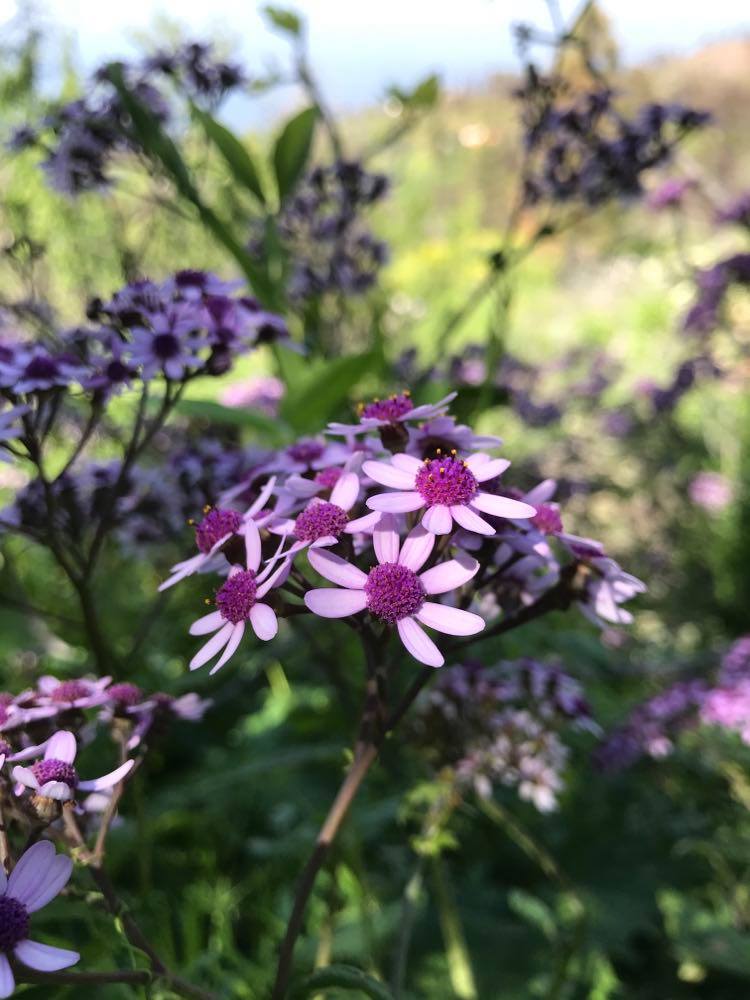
pixel 14 923
pixel 55 770
pixel 42 367
pixel 393 592
pixel 327 478
pixel 446 481
pixel 125 694
pixel 70 691
pixel 237 596
pixel 116 371
pixel 547 519
pixel 215 525
pixel 319 520
pixel 389 410
pixel 166 346
pixel 305 451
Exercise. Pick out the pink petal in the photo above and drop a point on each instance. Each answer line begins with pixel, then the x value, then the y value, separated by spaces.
pixel 428 410
pixel 181 570
pixel 344 494
pixel 252 545
pixel 388 475
pixel 419 644
pixel 208 623
pixel 43 957
pixel 108 780
pixel 61 746
pixel 28 752
pixel 262 498
pixel 212 647
pixel 502 506
pixel 449 575
pixel 332 602
pixel 471 521
pixel 453 621
pixel 542 492
pixel 25 776
pixel 230 648
pixel 30 873
pixel 395 503
pixel 416 549
pixel 337 570
pixel 7 982
pixel 264 622
pixel 301 487
pixel 363 523
pixel 408 463
pixel 58 874
pixel 490 468
pixel 276 578
pixel 438 519
pixel 56 790
pixel 385 540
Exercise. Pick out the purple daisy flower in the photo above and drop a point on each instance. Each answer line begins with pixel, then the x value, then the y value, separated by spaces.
pixel 607 585
pixel 444 434
pixel 66 695
pixel 239 601
pixel 397 409
pixel 173 344
pixel 34 369
pixel 395 592
pixel 448 487
pixel 38 876
pixel 55 776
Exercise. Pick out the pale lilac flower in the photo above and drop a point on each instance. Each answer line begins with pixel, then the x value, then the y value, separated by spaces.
pixel 444 434
pixel 397 409
pixel 729 707
pixel 309 454
pixel 239 601
pixel 157 708
pixel 448 487
pixel 55 777
pixel 18 710
pixel 38 876
pixel 215 530
pixel 670 193
pixel 263 393
pixel 395 592
pixel 34 369
pixel 606 586
pixel 173 344
pixel 66 695
pixel 711 491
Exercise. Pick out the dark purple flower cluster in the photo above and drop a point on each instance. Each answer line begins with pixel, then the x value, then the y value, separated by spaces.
pixel 712 285
pixel 585 149
pixel 502 726
pixel 81 138
pixel 653 727
pixel 321 228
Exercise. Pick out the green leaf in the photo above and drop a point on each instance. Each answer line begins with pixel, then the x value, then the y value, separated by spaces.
pixel 215 413
pixel 331 383
pixel 426 93
pixel 534 911
pixel 284 20
pixel 292 149
pixel 346 977
pixel 235 154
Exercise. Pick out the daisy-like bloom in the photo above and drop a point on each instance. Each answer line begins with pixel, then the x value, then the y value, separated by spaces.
pixel 39 875
pixel 396 410
pixel 67 695
pixel 215 530
pixel 238 602
pixel 19 710
pixel 34 369
pixel 128 701
pixel 173 344
pixel 605 584
pixel 445 434
pixel 395 591
pixel 448 487
pixel 55 777
pixel 309 455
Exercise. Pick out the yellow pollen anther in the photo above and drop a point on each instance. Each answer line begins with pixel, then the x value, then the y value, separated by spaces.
pixel 207 600
pixel 439 451
pixel 442 470
pixel 207 508
pixel 453 451
pixel 191 521
pixel 407 392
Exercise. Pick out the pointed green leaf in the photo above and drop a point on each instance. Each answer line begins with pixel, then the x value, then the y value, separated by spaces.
pixel 292 150
pixel 284 20
pixel 235 154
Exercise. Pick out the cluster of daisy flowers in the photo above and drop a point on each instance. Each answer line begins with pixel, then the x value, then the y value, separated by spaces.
pixel 406 513
pixel 503 727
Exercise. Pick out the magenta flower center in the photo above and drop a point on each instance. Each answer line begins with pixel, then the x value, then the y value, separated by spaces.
pixel 14 923
pixel 446 481
pixel 70 691
pixel 41 367
pixel 125 694
pixel 547 519
pixel 327 478
pixel 319 520
pixel 393 592
pixel 55 770
pixel 237 596
pixel 214 526
pixel 306 451
pixel 389 410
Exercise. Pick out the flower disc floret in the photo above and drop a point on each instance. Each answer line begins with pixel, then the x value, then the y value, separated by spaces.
pixel 327 478
pixel 236 597
pixel 320 520
pixel 214 526
pixel 390 410
pixel 14 922
pixel 166 346
pixel 306 451
pixel 70 691
pixel 547 519
pixel 125 694
pixel 447 481
pixel 55 770
pixel 393 592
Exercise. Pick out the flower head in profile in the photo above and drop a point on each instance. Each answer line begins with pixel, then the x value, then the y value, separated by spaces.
pixel 39 875
pixel 55 776
pixel 239 601
pixel 393 411
pixel 81 693
pixel 395 592
pixel 447 488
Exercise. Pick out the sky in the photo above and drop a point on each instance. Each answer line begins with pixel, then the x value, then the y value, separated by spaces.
pixel 359 47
